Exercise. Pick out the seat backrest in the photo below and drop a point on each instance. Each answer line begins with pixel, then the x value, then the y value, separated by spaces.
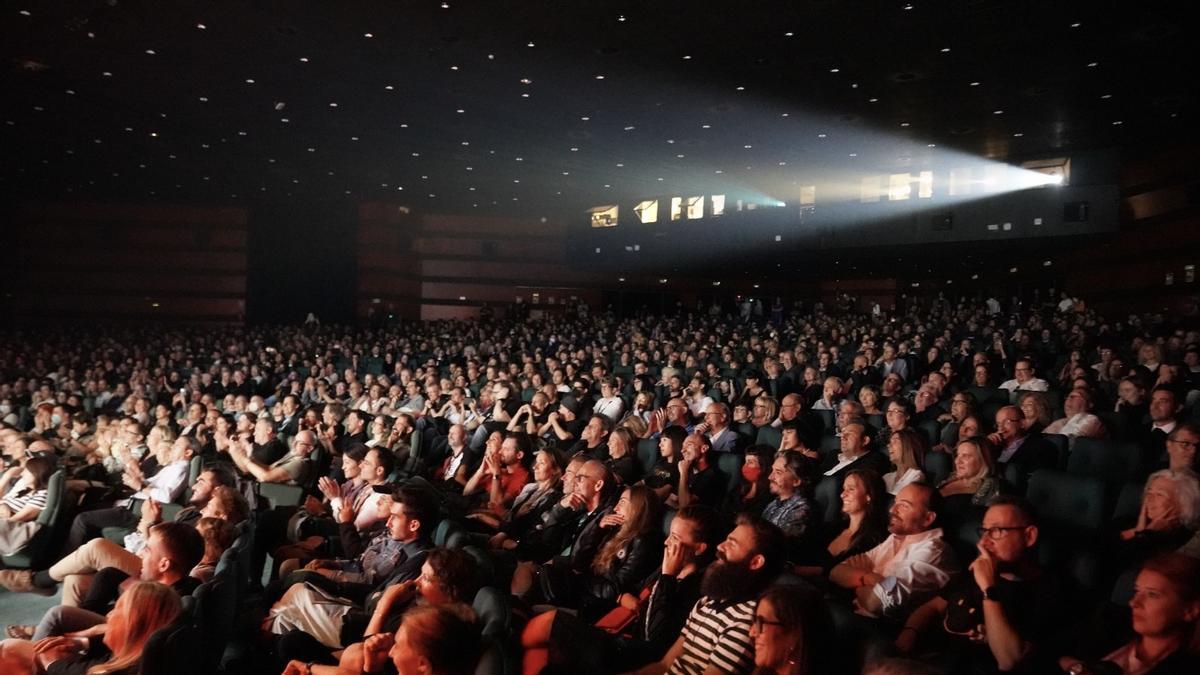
pixel 281 494
pixel 56 497
pixel 1072 504
pixel 647 455
pixel 828 494
pixel 494 612
pixel 1129 502
pixel 445 528
pixel 216 614
pixel 931 430
pixel 769 435
pixel 176 649
pixel 1111 461
pixel 938 466
pixel 729 464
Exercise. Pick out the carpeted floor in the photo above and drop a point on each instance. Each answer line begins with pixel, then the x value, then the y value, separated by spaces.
pixel 23 608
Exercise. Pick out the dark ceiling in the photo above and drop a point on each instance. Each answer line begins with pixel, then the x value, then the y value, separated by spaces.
pixel 541 107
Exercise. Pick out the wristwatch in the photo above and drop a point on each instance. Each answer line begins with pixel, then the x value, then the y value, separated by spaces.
pixel 1077 669
pixel 992 593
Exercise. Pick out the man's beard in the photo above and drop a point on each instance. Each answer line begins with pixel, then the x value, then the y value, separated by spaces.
pixel 730 581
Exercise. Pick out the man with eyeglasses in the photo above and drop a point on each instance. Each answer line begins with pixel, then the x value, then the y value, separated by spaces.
pixel 789 409
pixel 1019 448
pixel 1002 615
pixel 1023 380
pixel 1181 448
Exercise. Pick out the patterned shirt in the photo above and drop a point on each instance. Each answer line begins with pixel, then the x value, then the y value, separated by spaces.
pixel 792 515
pixel 717 635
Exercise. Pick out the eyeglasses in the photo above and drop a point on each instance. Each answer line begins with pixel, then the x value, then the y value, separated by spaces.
pixel 996 533
pixel 758 622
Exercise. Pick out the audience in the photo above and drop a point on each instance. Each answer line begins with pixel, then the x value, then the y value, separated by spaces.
pixel 481 417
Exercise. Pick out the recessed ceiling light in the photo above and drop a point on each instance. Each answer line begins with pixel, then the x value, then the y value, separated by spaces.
pixel 1093 64
pixel 388 87
pixel 460 111
pixel 741 88
pixel 620 165
pixel 249 80
pixel 945 50
pixel 445 5
pixel 153 134
pixel 621 18
pixel 526 80
pixel 1076 24
pixel 529 44
pixel 599 77
pixel 201 26
pixel 585 118
pixel 151 52
pixel 1018 135
pixel 789 34
pixel 747 146
pixel 931 145
pixel 835 70
pixel 718 171
pixel 905 124
pixel 705 126
pixel 820 135
pixel 106 74
pixel 574 149
pixel 854 154
pixel 872 100
pixel 1106 96
pixel 1117 123
pixel 24 12
pixel 368 35
pixel 687 57
pixel 997 112
pixel 630 128
pixel 303 59
pixel 284 120
pixel 332 105
pixel 453 67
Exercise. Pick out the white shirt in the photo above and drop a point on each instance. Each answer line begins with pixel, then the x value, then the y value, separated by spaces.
pixel 166 485
pixel 610 407
pixel 1080 424
pixel 1032 384
pixel 698 407
pixel 843 462
pixel 895 482
pixel 913 567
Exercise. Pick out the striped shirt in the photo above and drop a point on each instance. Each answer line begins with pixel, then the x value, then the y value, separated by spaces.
pixel 717 635
pixel 16 502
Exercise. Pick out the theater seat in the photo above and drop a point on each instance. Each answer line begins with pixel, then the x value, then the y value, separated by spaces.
pixel 769 435
pixel 828 494
pixel 1129 502
pixel 729 464
pixel 494 612
pixel 52 519
pixel 1069 504
pixel 281 494
pixel 647 455
pixel 938 466
pixel 1114 462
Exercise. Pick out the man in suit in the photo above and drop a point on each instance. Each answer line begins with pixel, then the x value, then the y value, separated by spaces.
pixel 1020 449
pixel 855 453
pixel 716 427
pixel 1164 408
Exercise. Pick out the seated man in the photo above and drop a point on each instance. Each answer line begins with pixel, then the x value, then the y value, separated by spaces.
pixel 77 568
pixel 716 635
pixel 295 467
pixel 700 481
pixel 909 566
pixel 171 552
pixel 165 487
pixel 332 600
pixel 1000 616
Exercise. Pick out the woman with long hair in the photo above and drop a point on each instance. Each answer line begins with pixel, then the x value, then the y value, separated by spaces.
pixel 142 609
pixel 906 450
pixel 20 509
pixel 863 523
pixel 665 475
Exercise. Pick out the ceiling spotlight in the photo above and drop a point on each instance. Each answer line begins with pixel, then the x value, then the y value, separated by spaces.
pixel 835 70
pixel 303 59
pixel 529 44
pixel 368 35
pixel 201 26
pixel 445 5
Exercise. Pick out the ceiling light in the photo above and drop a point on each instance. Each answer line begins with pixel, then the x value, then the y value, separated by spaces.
pixel 789 34
pixel 388 87
pixel 835 70
pixel 872 100
pixel 1117 123
pixel 150 52
pixel 368 35
pixel 332 105
pixel 741 88
pixel 303 59
pixel 599 77
pixel 585 118
pixel 945 50
pixel 1018 135
pixel 1076 25
pixel 445 5
pixel 687 57
pixel 997 112
pixel 249 80
pixel 526 80
pixel 529 44
pixel 201 26
pixel 974 84
pixel 1093 64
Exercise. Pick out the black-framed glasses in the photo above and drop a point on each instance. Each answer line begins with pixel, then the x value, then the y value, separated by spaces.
pixel 758 622
pixel 996 533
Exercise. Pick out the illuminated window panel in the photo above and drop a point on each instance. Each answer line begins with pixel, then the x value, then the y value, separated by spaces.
pixel 870 189
pixel 604 216
pixel 925 185
pixel 808 195
pixel 960 182
pixel 899 187
pixel 718 205
pixel 676 208
pixel 695 207
pixel 647 211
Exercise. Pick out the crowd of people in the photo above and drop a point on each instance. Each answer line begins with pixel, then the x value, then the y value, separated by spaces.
pixel 956 487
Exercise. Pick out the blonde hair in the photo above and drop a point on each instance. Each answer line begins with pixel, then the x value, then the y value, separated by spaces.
pixel 148 606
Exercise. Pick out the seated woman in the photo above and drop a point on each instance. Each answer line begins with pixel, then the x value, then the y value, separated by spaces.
pixel 313 527
pixel 621 446
pixel 792 632
pixel 906 450
pixel 1169 517
pixel 219 534
pixel 437 640
pixel 974 482
pixel 629 547
pixel 1164 608
pixel 24 503
pixel 665 475
pixel 141 610
pixel 448 576
pixel 753 490
pixel 534 499
pixel 1036 407
pixel 864 523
